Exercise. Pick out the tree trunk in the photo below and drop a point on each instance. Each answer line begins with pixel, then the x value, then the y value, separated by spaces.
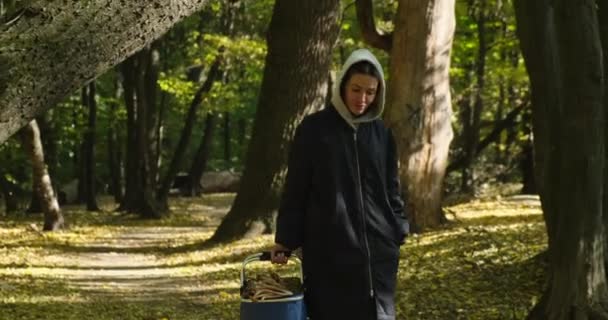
pixel 367 24
pixel 139 91
pixel 471 135
pixel 49 146
pixel 603 27
pixel 56 49
pixel 114 147
pixel 35 205
pixel 89 148
pixel 145 205
pixel 53 219
pixel 81 164
pixel 300 40
pixel 242 125
pixel 199 164
pixel 153 119
pixel 507 123
pixel 133 179
pixel 562 50
pixel 505 83
pixel 46 123
pixel 184 140
pixel 466 114
pixel 419 104
pixel 139 192
pixel 527 157
pixel 8 193
pixel 226 139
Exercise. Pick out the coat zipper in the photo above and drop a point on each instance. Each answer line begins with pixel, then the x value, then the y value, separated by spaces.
pixel 369 264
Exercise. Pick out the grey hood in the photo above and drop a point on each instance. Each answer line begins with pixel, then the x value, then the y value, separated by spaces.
pixel 336 99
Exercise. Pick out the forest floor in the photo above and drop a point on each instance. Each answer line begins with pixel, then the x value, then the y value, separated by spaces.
pixel 483 264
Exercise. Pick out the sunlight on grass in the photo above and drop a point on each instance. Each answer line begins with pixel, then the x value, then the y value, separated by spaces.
pixel 482 265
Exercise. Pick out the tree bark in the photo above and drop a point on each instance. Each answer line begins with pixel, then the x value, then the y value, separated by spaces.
pixel 47 125
pixel 49 53
pixel 35 205
pixel 603 27
pixel 300 38
pixel 153 119
pixel 146 205
pixel 82 151
pixel 226 140
pixel 562 50
pixel 53 219
pixel 132 159
pixel 139 91
pixel 49 146
pixel 114 147
pixel 199 164
pixel 89 149
pixel 419 106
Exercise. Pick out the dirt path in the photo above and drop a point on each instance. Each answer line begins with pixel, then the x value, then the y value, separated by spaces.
pixel 126 264
pixel 139 261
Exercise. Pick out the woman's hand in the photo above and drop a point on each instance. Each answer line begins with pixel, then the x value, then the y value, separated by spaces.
pixel 277 254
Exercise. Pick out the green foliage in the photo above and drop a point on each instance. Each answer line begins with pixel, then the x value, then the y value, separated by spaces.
pixel 242 57
pixel 193 42
pixel 179 87
pixel 482 265
pixel 505 84
pixel 196 42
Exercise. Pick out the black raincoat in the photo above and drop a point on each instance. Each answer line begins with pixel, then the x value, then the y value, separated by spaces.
pixel 341 204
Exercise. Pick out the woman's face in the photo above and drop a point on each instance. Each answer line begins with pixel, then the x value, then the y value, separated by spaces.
pixel 360 92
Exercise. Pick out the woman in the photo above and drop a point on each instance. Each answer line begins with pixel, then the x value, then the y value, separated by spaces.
pixel 341 201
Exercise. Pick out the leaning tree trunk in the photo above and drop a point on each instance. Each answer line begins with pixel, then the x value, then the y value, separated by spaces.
pixel 184 140
pixel 203 153
pixel 419 107
pixel 54 48
pixel 35 205
pixel 48 132
pixel 53 219
pixel 301 37
pixel 562 50
pixel 49 145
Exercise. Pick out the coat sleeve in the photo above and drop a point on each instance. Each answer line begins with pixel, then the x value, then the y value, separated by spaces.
pixel 394 189
pixel 296 190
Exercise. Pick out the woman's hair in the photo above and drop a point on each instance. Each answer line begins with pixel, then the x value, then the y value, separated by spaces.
pixel 361 67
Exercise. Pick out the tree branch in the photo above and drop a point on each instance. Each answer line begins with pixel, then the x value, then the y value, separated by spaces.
pixel 503 124
pixel 371 35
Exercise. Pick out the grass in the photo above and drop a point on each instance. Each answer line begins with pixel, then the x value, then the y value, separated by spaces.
pixel 482 265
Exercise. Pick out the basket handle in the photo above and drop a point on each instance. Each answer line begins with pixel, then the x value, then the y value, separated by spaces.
pixel 265 256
